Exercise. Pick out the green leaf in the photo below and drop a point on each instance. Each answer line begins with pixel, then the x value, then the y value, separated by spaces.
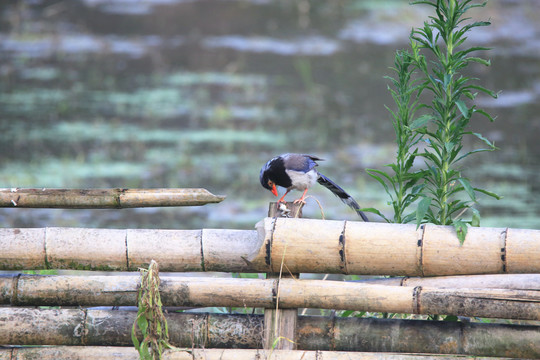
pixel 142 323
pixel 346 313
pixel 484 139
pixel 422 209
pixel 475 222
pixel 489 193
pixel 480 61
pixel 461 230
pixel 463 109
pixel 375 211
pixel 375 174
pixel 420 122
pixel 468 188
pixel 134 339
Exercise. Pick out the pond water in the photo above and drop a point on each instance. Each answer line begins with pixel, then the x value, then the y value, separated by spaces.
pixel 177 93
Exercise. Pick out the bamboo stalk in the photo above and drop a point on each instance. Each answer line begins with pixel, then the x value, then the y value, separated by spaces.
pixel 24 326
pixel 35 290
pixel 395 249
pixel 105 198
pixel 121 250
pixel 279 323
pixel 308 245
pixel 497 281
pixel 126 353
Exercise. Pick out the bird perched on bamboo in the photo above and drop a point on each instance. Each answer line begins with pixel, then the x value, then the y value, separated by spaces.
pixel 297 171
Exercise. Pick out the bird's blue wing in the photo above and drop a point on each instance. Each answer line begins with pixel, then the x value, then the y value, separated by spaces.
pixel 299 162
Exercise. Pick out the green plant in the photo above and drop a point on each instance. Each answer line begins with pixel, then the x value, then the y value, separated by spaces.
pixel 150 320
pixel 449 111
pixel 444 194
pixel 402 186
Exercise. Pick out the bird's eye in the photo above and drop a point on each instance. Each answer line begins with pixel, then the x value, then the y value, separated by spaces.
pixel 270 183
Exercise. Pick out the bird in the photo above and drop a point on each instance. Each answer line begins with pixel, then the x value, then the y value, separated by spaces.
pixel 297 171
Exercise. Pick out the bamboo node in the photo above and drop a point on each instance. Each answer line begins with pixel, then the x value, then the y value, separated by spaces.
pixel 503 252
pixel 416 299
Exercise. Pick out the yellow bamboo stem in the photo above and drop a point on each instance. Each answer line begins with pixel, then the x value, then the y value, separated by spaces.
pixel 104 198
pixel 199 291
pixel 497 281
pixel 306 245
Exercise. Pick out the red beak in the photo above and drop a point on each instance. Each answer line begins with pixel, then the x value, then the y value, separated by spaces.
pixel 274 190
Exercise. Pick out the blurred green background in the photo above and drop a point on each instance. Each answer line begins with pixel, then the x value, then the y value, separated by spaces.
pixel 179 93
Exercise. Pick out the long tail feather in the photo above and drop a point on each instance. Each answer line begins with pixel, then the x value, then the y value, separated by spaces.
pixel 342 194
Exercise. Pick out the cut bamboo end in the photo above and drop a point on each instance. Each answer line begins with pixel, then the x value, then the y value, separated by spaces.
pixel 105 198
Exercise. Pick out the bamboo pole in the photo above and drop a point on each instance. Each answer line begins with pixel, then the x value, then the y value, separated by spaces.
pixel 126 353
pixel 104 198
pixel 306 245
pixel 395 249
pixel 24 326
pixel 496 281
pixel 121 250
pixel 279 323
pixel 289 293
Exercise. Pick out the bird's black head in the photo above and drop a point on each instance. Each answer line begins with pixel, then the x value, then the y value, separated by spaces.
pixel 263 177
pixel 273 173
pixel 267 170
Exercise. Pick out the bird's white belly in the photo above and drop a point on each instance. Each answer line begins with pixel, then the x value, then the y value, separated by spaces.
pixel 301 180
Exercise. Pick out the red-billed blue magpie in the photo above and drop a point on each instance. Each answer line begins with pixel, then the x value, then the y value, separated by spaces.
pixel 297 171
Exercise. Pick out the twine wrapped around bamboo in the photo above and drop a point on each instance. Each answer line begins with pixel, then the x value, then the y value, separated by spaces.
pixel 305 245
pixel 127 353
pixel 104 198
pixel 24 326
pixel 38 290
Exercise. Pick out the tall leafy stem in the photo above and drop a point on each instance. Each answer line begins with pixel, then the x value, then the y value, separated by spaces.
pixel 402 186
pixel 444 194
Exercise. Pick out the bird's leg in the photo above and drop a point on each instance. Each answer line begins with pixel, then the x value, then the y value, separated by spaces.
pixel 283 197
pixel 301 200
